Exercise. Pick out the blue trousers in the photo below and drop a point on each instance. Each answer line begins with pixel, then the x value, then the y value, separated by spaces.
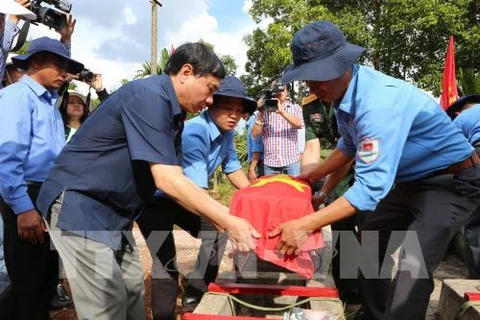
pixel 291 169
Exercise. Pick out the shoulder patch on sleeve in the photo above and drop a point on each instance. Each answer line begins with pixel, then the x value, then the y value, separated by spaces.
pixel 369 150
pixel 308 99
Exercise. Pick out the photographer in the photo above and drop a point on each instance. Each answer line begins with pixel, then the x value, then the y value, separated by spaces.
pixel 8 28
pixel 278 126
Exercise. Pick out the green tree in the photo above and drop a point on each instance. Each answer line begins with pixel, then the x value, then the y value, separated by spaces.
pixel 406 38
pixel 146 68
pixel 468 82
pixel 229 64
pixel 24 47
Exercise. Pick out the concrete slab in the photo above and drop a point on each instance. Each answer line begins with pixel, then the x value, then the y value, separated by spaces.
pixel 452 298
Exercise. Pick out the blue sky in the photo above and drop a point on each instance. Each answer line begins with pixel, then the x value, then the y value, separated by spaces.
pixel 229 14
pixel 113 37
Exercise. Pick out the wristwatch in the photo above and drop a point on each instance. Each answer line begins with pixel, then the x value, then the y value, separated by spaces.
pixel 320 195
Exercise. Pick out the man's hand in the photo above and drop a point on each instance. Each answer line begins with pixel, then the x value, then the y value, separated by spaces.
pixel 307 178
pixel 26 3
pixel 67 30
pixel 280 108
pixel 241 233
pixel 293 235
pixel 252 176
pixel 31 227
pixel 96 82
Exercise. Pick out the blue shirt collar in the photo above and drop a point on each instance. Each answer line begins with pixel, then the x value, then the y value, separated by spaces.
pixel 172 95
pixel 346 104
pixel 38 89
pixel 213 130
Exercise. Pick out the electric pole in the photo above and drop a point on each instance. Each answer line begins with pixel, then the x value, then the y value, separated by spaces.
pixel 153 48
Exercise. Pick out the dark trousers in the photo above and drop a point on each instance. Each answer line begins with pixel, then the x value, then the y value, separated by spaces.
pixel 156 224
pixel 425 214
pixel 345 231
pixel 33 270
pixel 472 239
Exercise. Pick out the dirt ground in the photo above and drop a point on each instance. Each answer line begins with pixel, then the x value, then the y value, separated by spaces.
pixel 187 251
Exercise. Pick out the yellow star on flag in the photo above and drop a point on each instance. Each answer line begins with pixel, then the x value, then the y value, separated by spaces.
pixel 281 178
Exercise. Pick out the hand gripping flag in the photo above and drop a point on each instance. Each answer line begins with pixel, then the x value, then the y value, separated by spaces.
pixel 268 203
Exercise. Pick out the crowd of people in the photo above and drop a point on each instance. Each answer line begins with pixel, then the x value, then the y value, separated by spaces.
pixel 73 182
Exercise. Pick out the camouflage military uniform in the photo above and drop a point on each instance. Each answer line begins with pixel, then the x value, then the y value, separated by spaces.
pixel 320 123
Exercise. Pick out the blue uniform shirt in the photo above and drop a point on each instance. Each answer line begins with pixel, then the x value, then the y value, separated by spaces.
pixel 205 148
pixel 469 122
pixel 104 169
pixel 396 134
pixel 31 137
pixel 253 144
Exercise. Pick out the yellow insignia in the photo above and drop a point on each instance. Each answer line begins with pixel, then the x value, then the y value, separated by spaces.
pixel 308 99
pixel 281 178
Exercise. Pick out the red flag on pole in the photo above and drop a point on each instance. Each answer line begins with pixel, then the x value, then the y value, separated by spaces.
pixel 449 82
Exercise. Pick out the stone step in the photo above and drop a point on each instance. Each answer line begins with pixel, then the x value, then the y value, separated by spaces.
pixel 452 299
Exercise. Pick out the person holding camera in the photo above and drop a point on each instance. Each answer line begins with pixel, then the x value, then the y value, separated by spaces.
pixel 8 27
pixel 74 109
pixel 278 122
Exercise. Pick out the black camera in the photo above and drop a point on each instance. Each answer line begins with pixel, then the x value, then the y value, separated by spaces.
pixel 269 102
pixel 86 75
pixel 50 17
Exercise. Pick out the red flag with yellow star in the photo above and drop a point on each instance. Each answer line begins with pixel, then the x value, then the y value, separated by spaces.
pixel 269 202
pixel 449 82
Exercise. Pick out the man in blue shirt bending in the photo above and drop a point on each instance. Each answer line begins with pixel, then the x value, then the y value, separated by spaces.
pixel 413 168
pixel 121 154
pixel 207 143
pixel 465 113
pixel 31 137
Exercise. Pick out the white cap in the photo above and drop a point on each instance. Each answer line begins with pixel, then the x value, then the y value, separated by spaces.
pixel 11 7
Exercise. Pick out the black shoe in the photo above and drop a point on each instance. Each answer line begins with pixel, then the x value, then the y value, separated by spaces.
pixel 189 303
pixel 61 299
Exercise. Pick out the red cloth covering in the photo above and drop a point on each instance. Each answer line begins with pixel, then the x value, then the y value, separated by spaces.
pixel 268 203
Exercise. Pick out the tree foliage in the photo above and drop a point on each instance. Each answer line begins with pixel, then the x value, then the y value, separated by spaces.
pixel 405 38
pixel 146 68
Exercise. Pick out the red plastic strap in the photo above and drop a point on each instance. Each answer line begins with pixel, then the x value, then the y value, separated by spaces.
pixel 472 296
pixel 274 290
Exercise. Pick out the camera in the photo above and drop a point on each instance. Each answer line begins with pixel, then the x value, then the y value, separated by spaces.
pixel 50 17
pixel 269 102
pixel 86 75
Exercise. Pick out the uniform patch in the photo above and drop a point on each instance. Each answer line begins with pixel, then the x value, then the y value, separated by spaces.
pixel 369 150
pixel 316 118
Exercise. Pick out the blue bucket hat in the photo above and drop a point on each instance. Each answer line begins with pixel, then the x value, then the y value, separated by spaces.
pixel 232 87
pixel 320 53
pixel 45 44
pixel 453 109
